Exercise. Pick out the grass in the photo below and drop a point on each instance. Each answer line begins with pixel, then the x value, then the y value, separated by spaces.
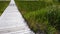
pixel 3 5
pixel 36 13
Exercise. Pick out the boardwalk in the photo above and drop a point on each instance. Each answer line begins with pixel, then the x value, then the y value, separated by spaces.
pixel 12 22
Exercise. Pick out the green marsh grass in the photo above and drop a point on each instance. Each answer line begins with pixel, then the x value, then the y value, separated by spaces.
pixel 3 6
pixel 36 13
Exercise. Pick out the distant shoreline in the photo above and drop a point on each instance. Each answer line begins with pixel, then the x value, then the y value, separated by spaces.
pixel 4 0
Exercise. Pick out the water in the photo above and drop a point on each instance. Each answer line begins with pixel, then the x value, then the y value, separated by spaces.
pixel 12 22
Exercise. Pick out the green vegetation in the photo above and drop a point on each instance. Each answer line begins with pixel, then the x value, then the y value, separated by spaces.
pixel 41 15
pixel 3 5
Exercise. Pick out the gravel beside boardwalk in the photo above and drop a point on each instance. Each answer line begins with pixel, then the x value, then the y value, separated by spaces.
pixel 12 22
